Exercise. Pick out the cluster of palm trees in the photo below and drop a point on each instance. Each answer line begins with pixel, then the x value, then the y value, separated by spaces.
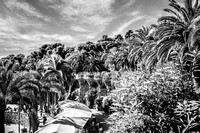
pixel 175 37
pixel 31 87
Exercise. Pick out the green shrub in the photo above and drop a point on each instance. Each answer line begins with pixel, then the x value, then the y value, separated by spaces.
pixel 187 116
pixel 150 103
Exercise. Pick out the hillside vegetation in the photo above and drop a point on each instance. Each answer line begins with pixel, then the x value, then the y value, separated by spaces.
pixel 155 71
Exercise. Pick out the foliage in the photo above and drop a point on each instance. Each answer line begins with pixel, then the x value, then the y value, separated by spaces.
pixel 90 97
pixel 150 104
pixel 161 96
pixel 187 116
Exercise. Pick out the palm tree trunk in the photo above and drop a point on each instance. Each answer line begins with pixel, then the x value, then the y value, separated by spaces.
pixel 48 100
pixel 70 85
pixel 195 74
pixel 19 116
pixel 2 116
pixel 35 120
pixel 69 93
pixel 30 121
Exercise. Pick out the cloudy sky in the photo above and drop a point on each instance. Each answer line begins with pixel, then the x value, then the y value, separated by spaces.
pixel 26 25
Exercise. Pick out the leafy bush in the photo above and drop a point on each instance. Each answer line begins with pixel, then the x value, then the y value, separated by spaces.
pixel 187 116
pixel 150 104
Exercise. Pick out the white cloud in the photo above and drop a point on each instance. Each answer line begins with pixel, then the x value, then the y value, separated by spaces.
pixel 125 25
pixel 12 49
pixel 26 8
pixel 11 37
pixel 134 13
pixel 33 42
pixel 90 36
pixel 87 36
pixel 98 20
pixel 10 27
pixel 129 3
pixel 52 38
pixel 2 57
pixel 86 11
pixel 80 7
pixel 79 28
pixel 96 14
pixel 46 38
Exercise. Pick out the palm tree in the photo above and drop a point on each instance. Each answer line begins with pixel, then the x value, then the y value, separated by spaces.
pixel 110 60
pixel 93 64
pixel 77 59
pixel 128 35
pixel 9 87
pixel 122 59
pixel 175 33
pixel 119 38
pixel 50 77
pixel 192 57
pixel 173 30
pixel 29 95
pixel 141 45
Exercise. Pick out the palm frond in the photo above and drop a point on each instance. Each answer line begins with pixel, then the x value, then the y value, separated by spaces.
pixel 196 4
pixel 164 50
pixel 173 12
pixel 58 88
pixel 151 61
pixel 168 18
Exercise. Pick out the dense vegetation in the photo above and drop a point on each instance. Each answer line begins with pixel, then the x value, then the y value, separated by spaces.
pixel 163 61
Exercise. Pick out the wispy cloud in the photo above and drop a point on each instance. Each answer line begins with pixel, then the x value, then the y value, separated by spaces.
pixel 79 28
pixel 77 8
pixel 134 13
pixel 93 12
pixel 10 36
pixel 98 20
pixel 125 25
pixel 129 3
pixel 12 49
pixel 26 25
pixel 89 37
pixel 51 38
pixel 20 40
pixel 25 8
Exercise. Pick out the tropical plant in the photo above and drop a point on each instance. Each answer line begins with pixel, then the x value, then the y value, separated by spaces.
pixel 140 48
pixel 30 97
pixel 175 33
pixel 151 100
pixel 128 35
pixel 51 77
pixel 187 116
pixel 12 85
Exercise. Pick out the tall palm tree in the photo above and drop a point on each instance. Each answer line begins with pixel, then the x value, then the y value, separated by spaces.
pixel 175 33
pixel 128 35
pixel 110 60
pixel 192 57
pixel 77 59
pixel 173 30
pixel 9 87
pixel 50 77
pixel 123 60
pixel 141 44
pixel 61 70
pixel 29 95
